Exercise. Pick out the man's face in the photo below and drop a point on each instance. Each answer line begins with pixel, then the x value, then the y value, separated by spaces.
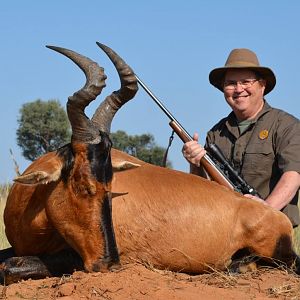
pixel 244 92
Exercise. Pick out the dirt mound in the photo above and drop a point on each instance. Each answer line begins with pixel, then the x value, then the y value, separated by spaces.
pixel 136 281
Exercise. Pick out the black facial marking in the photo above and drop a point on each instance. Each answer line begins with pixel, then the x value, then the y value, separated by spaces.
pixel 100 159
pixel 111 251
pixel 67 156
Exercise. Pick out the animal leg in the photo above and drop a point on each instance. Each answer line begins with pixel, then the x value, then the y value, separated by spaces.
pixel 243 261
pixel 6 253
pixel 14 269
pixel 280 252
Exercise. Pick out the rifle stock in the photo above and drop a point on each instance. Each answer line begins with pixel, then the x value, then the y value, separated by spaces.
pixel 212 170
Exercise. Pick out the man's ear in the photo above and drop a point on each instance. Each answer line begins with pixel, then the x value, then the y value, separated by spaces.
pixel 263 84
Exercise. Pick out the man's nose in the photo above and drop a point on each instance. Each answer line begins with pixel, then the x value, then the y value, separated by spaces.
pixel 238 87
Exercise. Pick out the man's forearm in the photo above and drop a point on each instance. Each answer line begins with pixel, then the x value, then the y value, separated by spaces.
pixel 285 190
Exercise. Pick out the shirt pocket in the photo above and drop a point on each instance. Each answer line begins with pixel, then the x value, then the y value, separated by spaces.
pixel 258 159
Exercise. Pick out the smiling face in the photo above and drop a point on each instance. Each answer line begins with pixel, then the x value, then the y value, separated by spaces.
pixel 244 92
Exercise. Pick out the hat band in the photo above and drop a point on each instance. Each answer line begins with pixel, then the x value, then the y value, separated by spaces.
pixel 241 64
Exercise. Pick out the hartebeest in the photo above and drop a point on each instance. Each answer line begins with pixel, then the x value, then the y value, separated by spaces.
pixel 167 218
pixel 67 204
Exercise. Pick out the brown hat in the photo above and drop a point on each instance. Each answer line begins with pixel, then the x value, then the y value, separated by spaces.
pixel 242 59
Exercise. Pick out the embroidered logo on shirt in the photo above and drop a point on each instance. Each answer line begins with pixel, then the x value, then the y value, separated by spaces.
pixel 264 134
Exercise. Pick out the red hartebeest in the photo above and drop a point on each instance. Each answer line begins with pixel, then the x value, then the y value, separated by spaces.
pixel 167 218
pixel 67 204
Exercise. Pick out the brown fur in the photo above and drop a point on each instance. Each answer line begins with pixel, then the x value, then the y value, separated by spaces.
pixel 63 200
pixel 164 217
pixel 46 218
pixel 183 222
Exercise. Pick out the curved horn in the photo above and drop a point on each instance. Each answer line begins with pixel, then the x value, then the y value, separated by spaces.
pixel 106 111
pixel 83 130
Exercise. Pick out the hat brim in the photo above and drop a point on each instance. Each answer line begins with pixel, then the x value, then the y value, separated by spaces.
pixel 217 75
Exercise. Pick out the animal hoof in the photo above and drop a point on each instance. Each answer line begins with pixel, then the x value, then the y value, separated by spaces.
pixel 241 267
pixel 104 266
pixel 115 267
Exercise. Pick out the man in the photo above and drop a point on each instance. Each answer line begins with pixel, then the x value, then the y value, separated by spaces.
pixel 262 143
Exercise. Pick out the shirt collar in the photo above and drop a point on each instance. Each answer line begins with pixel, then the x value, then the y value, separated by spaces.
pixel 231 122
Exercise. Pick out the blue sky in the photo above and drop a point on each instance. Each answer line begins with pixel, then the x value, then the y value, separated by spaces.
pixel 171 45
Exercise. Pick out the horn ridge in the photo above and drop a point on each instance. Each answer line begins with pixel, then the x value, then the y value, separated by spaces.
pixel 89 68
pixel 128 80
pixel 83 130
pixel 106 111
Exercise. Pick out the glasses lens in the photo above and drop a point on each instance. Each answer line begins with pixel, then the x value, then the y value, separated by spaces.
pixel 245 83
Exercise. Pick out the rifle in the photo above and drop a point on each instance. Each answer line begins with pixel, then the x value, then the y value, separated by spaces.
pixel 214 162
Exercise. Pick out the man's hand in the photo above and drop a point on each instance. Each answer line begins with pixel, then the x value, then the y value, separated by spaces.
pixel 193 152
pixel 283 192
pixel 255 198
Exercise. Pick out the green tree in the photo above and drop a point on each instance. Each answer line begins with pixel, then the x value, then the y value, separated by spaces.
pixel 43 127
pixel 141 146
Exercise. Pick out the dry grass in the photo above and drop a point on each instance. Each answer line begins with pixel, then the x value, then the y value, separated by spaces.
pixel 288 291
pixel 296 239
pixel 4 190
pixel 248 280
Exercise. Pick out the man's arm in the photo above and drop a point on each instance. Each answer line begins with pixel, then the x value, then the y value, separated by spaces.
pixel 285 190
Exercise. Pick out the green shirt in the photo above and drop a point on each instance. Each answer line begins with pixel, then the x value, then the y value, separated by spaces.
pixel 267 148
pixel 243 125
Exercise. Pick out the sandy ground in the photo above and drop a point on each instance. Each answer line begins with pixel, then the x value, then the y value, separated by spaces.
pixel 136 281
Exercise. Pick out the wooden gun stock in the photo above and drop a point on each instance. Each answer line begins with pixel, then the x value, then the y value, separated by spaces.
pixel 210 167
pixel 208 164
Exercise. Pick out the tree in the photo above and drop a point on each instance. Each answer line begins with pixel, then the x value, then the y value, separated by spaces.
pixel 43 127
pixel 141 146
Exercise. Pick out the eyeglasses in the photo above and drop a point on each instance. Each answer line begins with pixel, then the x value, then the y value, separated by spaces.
pixel 245 83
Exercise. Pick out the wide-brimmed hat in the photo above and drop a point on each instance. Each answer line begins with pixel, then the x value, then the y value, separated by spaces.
pixel 242 59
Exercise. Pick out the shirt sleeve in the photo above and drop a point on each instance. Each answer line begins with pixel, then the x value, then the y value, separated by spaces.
pixel 209 138
pixel 288 143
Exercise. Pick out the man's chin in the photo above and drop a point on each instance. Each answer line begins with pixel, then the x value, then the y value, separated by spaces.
pixel 241 107
pixel 240 111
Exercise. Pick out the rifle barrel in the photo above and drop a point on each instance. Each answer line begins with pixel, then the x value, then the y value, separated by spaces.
pixel 162 107
pixel 207 162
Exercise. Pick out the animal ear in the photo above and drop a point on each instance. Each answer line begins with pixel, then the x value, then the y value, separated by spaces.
pixel 114 195
pixel 123 165
pixel 38 177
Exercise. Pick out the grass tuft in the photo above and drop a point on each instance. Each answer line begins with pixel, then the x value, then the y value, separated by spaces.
pixel 4 190
pixel 296 240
